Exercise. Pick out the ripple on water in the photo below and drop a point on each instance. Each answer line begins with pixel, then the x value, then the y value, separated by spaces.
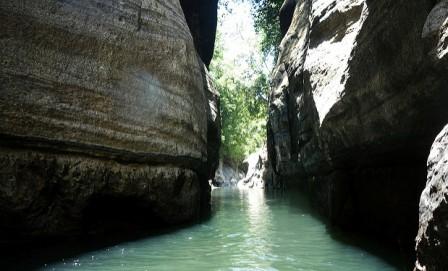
pixel 249 231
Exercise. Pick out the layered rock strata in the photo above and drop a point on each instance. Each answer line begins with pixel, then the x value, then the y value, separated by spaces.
pixel 103 105
pixel 358 94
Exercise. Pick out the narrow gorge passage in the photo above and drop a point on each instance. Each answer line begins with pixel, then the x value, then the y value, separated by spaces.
pixel 248 230
pixel 224 135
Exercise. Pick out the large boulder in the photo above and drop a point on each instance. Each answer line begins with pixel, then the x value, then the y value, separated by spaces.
pixel 432 238
pixel 104 116
pixel 358 94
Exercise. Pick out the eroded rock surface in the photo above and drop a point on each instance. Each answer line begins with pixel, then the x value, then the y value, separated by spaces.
pixel 258 173
pixel 101 100
pixel 358 94
pixel 432 238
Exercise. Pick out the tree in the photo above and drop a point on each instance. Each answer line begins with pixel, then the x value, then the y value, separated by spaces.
pixel 267 24
pixel 243 106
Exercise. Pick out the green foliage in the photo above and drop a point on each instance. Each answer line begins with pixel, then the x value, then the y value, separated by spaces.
pixel 267 24
pixel 243 106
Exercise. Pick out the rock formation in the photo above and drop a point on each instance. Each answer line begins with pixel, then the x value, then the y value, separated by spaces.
pixel 201 18
pixel 227 175
pixel 358 94
pixel 105 115
pixel 258 171
pixel 285 15
pixel 432 238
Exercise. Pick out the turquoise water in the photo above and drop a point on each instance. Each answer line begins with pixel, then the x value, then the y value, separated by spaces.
pixel 248 231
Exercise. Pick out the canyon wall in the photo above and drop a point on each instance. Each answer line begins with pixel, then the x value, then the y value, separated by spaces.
pixel 201 18
pixel 107 114
pixel 358 95
pixel 432 238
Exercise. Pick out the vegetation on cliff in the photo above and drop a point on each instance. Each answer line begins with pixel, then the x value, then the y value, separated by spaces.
pixel 243 107
pixel 265 15
pixel 267 24
pixel 240 71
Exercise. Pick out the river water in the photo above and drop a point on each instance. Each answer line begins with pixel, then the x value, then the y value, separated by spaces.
pixel 249 230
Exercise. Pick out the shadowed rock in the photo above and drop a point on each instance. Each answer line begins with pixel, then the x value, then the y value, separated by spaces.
pixel 286 13
pixel 202 18
pixel 356 100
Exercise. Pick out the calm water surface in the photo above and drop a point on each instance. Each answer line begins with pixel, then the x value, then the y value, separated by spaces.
pixel 248 231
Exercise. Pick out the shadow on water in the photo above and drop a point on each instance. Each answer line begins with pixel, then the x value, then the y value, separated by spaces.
pixel 296 198
pixel 37 254
pixel 25 257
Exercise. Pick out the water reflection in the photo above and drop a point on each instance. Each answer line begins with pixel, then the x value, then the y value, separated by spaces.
pixel 259 218
pixel 248 231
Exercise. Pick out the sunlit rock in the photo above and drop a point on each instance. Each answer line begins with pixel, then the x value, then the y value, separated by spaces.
pixel 432 238
pixel 258 171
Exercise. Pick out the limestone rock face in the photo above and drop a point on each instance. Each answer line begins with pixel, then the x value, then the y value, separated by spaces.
pixel 258 173
pixel 432 238
pixel 100 102
pixel 359 92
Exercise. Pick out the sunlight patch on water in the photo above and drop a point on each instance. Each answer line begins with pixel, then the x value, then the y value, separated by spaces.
pixel 249 230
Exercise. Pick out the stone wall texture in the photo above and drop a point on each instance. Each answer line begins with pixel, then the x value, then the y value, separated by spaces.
pixel 358 94
pixel 100 101
pixel 432 238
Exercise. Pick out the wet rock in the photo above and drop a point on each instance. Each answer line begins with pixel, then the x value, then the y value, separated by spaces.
pixel 432 238
pixel 356 100
pixel 101 101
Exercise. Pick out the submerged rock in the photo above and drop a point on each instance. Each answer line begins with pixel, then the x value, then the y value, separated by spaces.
pixel 432 238
pixel 102 103
pixel 358 94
